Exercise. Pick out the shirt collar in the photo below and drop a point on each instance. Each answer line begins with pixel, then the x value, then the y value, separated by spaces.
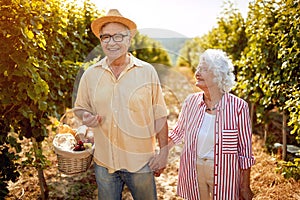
pixel 223 100
pixel 201 99
pixel 134 62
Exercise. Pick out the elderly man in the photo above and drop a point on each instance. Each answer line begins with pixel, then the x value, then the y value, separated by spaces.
pixel 121 98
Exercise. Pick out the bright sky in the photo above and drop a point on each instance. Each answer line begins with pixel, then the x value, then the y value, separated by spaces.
pixel 189 18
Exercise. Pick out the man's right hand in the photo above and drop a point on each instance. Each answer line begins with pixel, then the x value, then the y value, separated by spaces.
pixel 91 120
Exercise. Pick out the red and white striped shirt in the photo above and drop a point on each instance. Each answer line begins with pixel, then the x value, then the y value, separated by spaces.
pixel 232 146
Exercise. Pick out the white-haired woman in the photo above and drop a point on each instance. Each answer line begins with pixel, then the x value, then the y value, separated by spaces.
pixel 215 127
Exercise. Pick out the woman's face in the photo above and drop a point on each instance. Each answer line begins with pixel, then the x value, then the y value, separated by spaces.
pixel 204 77
pixel 111 32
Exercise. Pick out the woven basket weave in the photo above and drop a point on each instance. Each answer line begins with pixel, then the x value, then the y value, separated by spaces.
pixel 72 162
pixel 71 166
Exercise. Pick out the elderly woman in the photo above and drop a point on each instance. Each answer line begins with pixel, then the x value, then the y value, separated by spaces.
pixel 215 127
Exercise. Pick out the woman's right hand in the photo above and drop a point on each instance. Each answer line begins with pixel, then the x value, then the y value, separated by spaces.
pixel 91 120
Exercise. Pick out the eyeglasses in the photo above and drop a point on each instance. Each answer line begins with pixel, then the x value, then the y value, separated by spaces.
pixel 118 37
pixel 202 69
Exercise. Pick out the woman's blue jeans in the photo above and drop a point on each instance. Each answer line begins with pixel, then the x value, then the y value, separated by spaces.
pixel 110 185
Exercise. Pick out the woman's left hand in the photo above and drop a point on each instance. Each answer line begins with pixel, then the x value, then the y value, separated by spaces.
pixel 246 194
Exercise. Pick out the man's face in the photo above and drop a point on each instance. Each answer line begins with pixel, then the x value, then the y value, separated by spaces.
pixel 115 40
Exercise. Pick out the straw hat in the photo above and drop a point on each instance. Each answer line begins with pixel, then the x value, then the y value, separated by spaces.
pixel 113 15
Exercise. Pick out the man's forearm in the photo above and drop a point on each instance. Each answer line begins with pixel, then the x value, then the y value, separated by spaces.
pixel 79 113
pixel 161 127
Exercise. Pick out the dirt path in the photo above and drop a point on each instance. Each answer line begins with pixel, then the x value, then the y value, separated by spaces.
pixel 265 182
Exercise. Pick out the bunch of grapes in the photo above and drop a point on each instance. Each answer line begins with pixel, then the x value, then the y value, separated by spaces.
pixel 79 146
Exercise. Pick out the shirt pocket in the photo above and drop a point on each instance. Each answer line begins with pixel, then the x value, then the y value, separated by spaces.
pixel 139 109
pixel 230 141
pixel 140 99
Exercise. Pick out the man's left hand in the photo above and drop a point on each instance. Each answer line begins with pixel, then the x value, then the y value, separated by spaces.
pixel 158 163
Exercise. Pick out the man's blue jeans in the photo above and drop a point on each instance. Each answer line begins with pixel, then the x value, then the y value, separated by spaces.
pixel 110 185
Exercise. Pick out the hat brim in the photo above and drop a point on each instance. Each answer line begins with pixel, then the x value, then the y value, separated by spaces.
pixel 98 23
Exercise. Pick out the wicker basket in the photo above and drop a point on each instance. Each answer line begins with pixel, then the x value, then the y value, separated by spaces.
pixel 72 162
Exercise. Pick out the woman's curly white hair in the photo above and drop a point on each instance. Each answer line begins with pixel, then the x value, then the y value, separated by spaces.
pixel 221 66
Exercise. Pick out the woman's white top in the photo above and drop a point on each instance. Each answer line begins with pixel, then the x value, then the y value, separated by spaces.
pixel 205 147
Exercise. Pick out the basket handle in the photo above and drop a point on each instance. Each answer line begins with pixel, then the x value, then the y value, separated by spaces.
pixel 65 114
pixel 73 123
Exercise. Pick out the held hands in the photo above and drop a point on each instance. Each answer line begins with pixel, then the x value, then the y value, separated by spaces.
pixel 91 120
pixel 159 162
